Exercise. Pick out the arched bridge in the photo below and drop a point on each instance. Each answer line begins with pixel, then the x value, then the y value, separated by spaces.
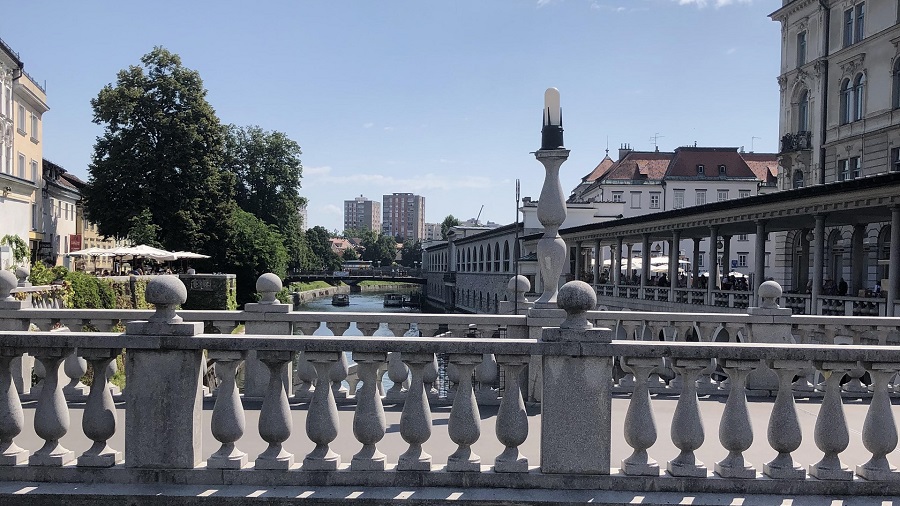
pixel 355 277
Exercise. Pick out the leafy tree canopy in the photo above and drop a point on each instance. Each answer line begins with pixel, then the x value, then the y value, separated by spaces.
pixel 319 240
pixel 380 248
pixel 143 230
pixel 161 151
pixel 449 221
pixel 410 253
pixel 350 254
pixel 252 249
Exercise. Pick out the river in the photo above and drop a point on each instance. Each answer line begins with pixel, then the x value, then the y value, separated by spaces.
pixel 366 302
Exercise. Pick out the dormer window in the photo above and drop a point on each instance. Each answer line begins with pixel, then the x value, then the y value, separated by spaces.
pixel 700 169
pixel 722 170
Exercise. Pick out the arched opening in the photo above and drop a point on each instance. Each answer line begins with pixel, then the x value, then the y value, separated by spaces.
pixel 481 258
pixel 490 264
pixel 846 111
pixel 506 256
pixel 803 112
pixel 859 85
pixel 834 255
pixel 497 257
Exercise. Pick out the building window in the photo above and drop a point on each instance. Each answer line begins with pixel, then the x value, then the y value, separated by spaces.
pixel 617 197
pixel 21 166
pixel 635 200
pixel 743 237
pixel 678 201
pixel 22 119
pixel 859 29
pixel 722 195
pixel 846 102
pixel 700 169
pixel 895 159
pixel 34 170
pixel 767 260
pixel 803 112
pixel 858 86
pixel 843 170
pixel 798 179
pixel 855 169
pixel 742 259
pixel 801 48
pixel 700 198
pixel 721 170
pixel 34 127
pixel 896 84
pixel 744 194
pixel 654 201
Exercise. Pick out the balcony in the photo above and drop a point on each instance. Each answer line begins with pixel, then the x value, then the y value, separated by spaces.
pixel 610 409
pixel 793 142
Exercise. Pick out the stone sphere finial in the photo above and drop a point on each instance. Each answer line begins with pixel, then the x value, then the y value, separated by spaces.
pixel 518 285
pixel 576 298
pixel 7 283
pixel 268 285
pixel 769 292
pixel 166 292
pixel 22 273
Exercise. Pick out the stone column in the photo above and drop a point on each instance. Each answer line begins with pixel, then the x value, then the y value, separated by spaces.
pixel 598 260
pixel 551 212
pixel 617 263
pixel 164 435
pixel 645 262
pixel 695 263
pixel 726 255
pixel 256 374
pixel 894 267
pixel 628 247
pixel 857 260
pixel 576 409
pixel 818 263
pixel 674 253
pixel 713 263
pixel 759 267
pixel 579 261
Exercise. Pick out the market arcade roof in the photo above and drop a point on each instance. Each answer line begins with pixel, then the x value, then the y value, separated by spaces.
pixel 858 201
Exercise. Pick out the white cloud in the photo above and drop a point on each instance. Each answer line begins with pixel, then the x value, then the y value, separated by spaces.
pixel 542 3
pixel 316 171
pixel 331 209
pixel 368 125
pixel 731 50
pixel 716 3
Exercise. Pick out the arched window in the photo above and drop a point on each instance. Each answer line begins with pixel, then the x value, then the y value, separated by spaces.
pixel 798 179
pixel 490 263
pixel 505 256
pixel 481 258
pixel 859 85
pixel 896 85
pixel 846 102
pixel 497 257
pixel 803 112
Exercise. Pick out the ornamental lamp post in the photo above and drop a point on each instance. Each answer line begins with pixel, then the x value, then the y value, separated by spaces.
pixel 551 209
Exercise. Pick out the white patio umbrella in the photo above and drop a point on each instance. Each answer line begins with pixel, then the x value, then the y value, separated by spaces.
pixel 144 251
pixel 188 254
pixel 737 274
pixel 88 252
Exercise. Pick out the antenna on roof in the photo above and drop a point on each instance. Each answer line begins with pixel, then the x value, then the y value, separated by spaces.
pixel 751 142
pixel 655 140
pixel 607 145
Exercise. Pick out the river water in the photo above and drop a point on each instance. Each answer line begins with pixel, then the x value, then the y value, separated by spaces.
pixel 366 302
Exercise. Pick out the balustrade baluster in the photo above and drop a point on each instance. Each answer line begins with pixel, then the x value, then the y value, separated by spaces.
pixel 879 429
pixel 369 423
pixel 512 419
pixel 784 432
pixel 339 371
pixel 486 374
pixel 322 417
pixel 831 434
pixel 75 368
pixel 228 420
pixel 640 426
pixel 465 421
pixel 735 430
pixel 306 378
pixel 12 418
pixel 687 425
pixel 415 420
pixel 99 419
pixel 51 417
pixel 275 415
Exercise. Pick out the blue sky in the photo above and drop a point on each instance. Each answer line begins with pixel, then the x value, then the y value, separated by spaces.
pixel 442 99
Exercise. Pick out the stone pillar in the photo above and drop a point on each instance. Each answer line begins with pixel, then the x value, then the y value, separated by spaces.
pixel 713 263
pixel 894 267
pixel 857 260
pixel 674 254
pixel 256 374
pixel 164 435
pixel 575 414
pixel 695 265
pixel 579 261
pixel 645 262
pixel 726 254
pixel 598 260
pixel 21 365
pixel 759 268
pixel 617 262
pixel 551 212
pixel 818 263
pixel 628 247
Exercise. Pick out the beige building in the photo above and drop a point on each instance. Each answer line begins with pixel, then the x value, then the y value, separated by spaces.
pixel 363 214
pixel 22 104
pixel 404 216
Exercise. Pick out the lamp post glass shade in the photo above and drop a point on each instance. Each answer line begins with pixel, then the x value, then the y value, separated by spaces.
pixel 552 131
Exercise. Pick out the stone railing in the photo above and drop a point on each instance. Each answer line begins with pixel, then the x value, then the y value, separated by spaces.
pixel 579 366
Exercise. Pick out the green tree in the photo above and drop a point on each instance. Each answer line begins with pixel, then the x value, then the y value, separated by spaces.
pixel 380 248
pixel 410 253
pixel 143 230
pixel 252 249
pixel 18 246
pixel 449 221
pixel 350 254
pixel 319 240
pixel 267 171
pixel 161 150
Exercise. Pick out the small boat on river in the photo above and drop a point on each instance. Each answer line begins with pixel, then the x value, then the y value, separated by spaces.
pixel 340 299
pixel 394 300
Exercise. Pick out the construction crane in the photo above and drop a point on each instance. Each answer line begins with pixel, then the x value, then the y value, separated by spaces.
pixel 479 215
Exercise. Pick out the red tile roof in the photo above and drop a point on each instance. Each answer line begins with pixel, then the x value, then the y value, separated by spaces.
pixel 640 165
pixel 687 160
pixel 599 170
pixel 764 165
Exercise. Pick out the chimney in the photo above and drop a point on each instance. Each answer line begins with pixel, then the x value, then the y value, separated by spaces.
pixel 624 149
